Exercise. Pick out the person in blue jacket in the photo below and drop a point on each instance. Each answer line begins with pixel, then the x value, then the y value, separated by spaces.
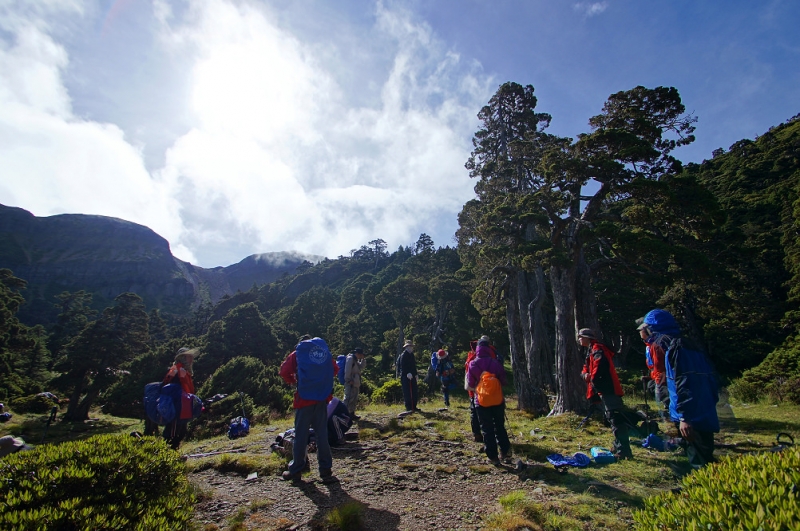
pixel 693 387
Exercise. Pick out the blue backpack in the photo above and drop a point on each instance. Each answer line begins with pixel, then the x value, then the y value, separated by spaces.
pixel 169 403
pixel 314 369
pixel 239 427
pixel 341 362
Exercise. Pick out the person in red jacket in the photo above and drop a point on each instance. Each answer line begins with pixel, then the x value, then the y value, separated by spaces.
pixel 180 373
pixel 308 368
pixel 601 378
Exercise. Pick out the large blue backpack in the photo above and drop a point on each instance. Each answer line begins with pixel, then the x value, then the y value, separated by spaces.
pixel 341 362
pixel 314 369
pixel 162 403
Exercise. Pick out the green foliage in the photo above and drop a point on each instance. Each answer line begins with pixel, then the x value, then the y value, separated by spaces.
pixel 23 355
pixel 777 377
pixel 104 482
pixel 348 516
pixel 391 392
pixel 243 332
pixel 91 362
pixel 749 492
pixel 32 404
pixel 251 377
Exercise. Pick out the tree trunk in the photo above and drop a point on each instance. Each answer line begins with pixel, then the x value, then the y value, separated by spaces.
pixel 72 413
pixel 571 388
pixel 540 351
pixel 530 395
pixel 585 301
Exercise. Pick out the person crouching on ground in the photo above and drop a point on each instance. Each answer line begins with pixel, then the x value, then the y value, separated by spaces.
pixel 446 373
pixel 352 380
pixel 310 367
pixel 601 377
pixel 180 373
pixel 487 373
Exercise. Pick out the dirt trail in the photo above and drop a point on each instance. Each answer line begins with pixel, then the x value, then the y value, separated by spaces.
pixel 403 483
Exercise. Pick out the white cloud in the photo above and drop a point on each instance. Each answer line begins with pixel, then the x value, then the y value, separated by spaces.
pixel 590 9
pixel 52 162
pixel 279 156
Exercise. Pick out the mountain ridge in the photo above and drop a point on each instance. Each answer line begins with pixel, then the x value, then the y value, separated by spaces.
pixel 107 256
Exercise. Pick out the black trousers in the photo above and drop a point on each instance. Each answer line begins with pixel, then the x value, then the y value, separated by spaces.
pixel 493 427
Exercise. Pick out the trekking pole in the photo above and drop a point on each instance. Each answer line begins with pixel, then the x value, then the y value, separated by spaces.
pixel 241 397
pixel 49 420
pixel 644 391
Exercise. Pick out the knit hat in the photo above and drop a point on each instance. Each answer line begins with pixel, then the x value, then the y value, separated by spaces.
pixel 10 444
pixel 484 340
pixel 441 354
pixel 586 332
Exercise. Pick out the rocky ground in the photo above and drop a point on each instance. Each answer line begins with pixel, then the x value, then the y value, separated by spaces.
pixel 412 481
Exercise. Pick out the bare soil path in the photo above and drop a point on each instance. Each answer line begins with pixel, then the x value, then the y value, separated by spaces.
pixel 403 483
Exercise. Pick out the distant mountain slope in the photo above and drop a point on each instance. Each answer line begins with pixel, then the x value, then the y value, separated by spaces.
pixel 108 256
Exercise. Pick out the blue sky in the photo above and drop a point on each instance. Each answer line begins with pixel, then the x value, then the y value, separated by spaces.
pixel 240 127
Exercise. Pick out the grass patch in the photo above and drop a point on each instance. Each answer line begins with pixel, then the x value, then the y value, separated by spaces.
pixel 347 517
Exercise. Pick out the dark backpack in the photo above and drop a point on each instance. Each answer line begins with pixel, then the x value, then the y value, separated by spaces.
pixel 239 427
pixel 341 362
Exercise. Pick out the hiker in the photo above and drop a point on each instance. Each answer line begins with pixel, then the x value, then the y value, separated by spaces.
pixel 180 373
pixel 654 357
pixel 352 380
pixel 339 421
pixel 407 372
pixel 473 412
pixel 485 377
pixel 10 445
pixel 601 378
pixel 311 368
pixel 446 372
pixel 692 386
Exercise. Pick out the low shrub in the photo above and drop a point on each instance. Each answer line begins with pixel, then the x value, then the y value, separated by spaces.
pixel 758 491
pixel 104 482
pixel 745 391
pixel 32 404
pixel 389 393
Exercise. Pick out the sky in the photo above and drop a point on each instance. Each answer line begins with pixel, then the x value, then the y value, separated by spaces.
pixel 238 127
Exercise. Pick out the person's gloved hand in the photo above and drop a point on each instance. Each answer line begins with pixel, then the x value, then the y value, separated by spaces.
pixel 409 376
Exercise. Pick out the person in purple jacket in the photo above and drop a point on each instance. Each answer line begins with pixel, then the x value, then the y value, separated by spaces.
pixel 491 417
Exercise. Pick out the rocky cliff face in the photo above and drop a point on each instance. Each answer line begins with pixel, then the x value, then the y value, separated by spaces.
pixel 108 256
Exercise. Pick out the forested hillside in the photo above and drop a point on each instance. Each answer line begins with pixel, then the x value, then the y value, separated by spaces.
pixel 538 252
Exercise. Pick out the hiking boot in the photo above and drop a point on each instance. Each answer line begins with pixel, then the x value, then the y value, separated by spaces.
pixel 288 476
pixel 355 417
pixel 478 437
pixel 327 476
pixel 505 457
pixel 495 461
